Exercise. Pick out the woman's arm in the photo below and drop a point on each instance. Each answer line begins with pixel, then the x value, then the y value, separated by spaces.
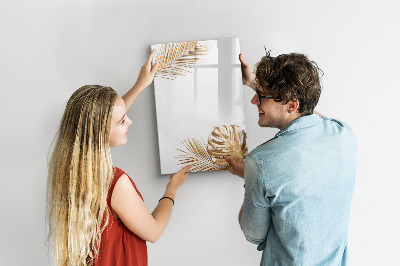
pixel 131 209
pixel 146 76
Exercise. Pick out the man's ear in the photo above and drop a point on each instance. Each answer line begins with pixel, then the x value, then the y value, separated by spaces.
pixel 293 105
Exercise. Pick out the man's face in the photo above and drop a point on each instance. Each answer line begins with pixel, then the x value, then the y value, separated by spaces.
pixel 270 113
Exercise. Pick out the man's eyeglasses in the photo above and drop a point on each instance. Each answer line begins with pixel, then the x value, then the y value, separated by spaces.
pixel 276 99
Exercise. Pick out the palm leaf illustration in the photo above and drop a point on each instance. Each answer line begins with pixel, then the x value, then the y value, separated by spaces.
pixel 178 59
pixel 196 154
pixel 225 140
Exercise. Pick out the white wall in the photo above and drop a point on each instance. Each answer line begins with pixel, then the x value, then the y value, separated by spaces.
pixel 49 49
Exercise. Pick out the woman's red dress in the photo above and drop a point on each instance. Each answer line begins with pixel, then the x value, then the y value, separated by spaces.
pixel 119 246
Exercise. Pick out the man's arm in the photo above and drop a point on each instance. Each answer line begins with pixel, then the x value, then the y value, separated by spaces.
pixel 240 213
pixel 248 75
pixel 319 114
pixel 254 216
pixel 237 168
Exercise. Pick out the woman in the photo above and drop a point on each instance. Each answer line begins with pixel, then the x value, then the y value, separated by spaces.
pixel 96 214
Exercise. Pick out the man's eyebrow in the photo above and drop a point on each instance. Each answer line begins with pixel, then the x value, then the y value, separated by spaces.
pixel 121 118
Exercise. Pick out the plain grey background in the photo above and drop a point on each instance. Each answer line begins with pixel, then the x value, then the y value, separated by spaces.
pixel 49 49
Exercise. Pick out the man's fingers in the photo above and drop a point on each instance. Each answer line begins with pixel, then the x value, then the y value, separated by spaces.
pixel 244 63
pixel 230 161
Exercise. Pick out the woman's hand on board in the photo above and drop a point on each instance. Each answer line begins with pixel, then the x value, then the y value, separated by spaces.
pixel 145 78
pixel 130 208
pixel 176 180
pixel 146 74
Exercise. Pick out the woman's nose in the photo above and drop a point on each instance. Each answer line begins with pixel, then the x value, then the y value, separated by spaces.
pixel 129 122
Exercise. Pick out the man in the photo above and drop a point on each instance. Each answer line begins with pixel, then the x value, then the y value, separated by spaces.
pixel 299 184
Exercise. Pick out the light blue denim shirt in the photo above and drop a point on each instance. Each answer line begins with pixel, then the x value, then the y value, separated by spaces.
pixel 298 190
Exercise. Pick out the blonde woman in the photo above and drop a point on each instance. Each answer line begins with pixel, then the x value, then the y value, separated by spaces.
pixel 96 214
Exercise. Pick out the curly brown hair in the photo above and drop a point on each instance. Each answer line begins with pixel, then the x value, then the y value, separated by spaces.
pixel 290 77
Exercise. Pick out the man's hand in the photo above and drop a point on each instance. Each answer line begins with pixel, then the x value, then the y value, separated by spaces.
pixel 248 76
pixel 238 168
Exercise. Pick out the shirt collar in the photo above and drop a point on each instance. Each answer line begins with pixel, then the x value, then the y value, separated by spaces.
pixel 301 122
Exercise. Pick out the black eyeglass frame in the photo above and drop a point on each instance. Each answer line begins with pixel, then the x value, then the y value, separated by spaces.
pixel 276 99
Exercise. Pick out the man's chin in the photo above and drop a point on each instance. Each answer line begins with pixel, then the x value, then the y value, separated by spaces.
pixel 261 124
pixel 265 124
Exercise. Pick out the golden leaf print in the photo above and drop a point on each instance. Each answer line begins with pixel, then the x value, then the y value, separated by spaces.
pixel 226 140
pixel 178 59
pixel 223 141
pixel 196 154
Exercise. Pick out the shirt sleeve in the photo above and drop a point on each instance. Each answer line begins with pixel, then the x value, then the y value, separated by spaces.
pixel 256 217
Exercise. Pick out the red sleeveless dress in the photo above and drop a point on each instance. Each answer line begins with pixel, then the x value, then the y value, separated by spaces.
pixel 119 246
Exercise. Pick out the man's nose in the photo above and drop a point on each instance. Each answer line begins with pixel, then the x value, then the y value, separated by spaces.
pixel 254 100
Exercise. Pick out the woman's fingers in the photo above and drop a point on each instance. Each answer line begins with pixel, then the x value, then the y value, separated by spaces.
pixel 151 57
pixel 154 69
pixel 185 169
pixel 180 177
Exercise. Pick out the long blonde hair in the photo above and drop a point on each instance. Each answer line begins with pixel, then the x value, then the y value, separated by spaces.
pixel 80 174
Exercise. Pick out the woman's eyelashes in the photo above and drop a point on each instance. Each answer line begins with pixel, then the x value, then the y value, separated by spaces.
pixel 123 120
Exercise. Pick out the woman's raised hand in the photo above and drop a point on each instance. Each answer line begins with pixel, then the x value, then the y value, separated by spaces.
pixel 145 78
pixel 146 74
